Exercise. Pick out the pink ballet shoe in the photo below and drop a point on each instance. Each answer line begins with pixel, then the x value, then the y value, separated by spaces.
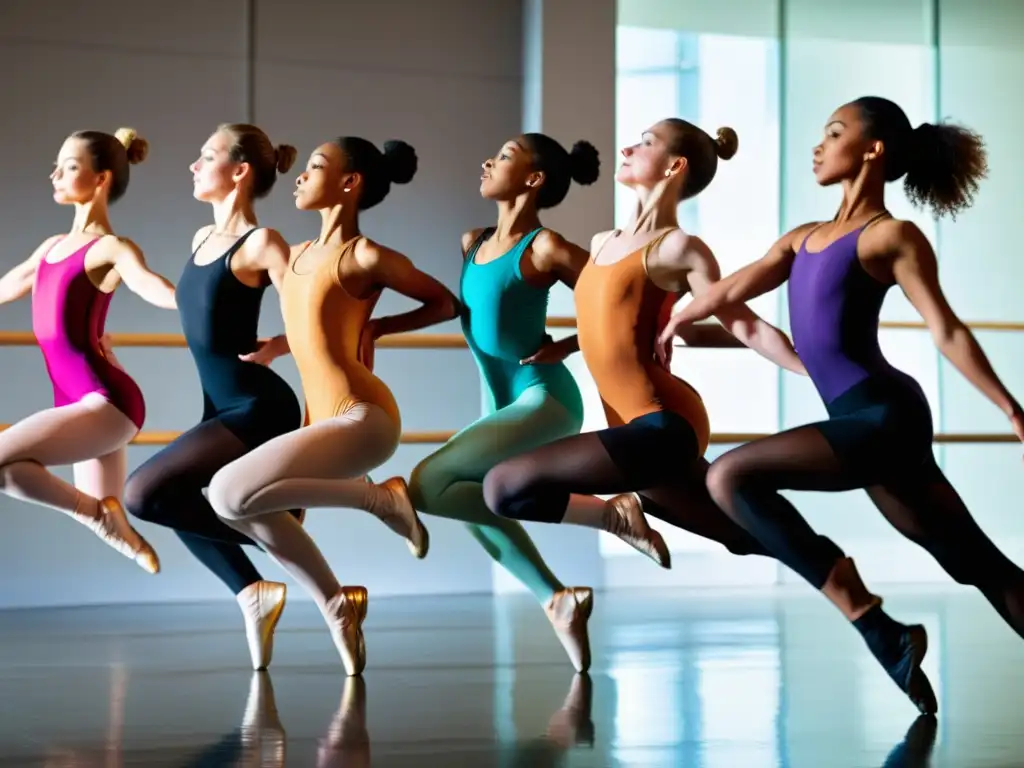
pixel 569 611
pixel 624 517
pixel 345 613
pixel 112 527
pixel 391 503
pixel 262 603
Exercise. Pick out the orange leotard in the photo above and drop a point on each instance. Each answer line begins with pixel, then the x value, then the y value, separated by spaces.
pixel 617 316
pixel 324 324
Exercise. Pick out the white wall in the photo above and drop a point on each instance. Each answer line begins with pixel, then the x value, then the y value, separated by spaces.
pixel 448 81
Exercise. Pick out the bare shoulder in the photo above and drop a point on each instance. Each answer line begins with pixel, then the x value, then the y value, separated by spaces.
pixel 548 243
pixel 794 239
pixel 370 254
pixel 120 247
pixel 680 250
pixel 890 237
pixel 266 238
pixel 295 250
pixel 470 237
pixel 600 239
pixel 44 248
pixel 201 234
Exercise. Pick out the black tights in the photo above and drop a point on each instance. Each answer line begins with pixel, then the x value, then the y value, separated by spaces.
pixel 907 486
pixel 655 456
pixel 168 490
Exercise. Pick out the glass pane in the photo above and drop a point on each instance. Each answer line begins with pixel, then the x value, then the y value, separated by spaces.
pixel 982 66
pixel 989 480
pixel 837 51
pixel 639 48
pixel 964 408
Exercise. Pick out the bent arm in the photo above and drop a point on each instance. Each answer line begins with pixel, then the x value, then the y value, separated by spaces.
pixel 393 270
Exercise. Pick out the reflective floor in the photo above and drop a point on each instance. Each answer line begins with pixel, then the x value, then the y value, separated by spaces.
pixel 679 679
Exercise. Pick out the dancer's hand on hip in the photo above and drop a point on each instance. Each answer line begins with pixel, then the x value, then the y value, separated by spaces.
pixel 267 350
pixel 550 352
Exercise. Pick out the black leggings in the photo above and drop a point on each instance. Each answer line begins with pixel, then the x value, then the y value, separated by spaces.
pixel 656 455
pixel 168 490
pixel 879 438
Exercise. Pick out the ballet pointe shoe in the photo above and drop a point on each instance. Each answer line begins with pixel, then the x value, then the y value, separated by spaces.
pixel 569 611
pixel 262 603
pixel 344 614
pixel 624 518
pixel 263 735
pixel 572 724
pixel 391 503
pixel 112 527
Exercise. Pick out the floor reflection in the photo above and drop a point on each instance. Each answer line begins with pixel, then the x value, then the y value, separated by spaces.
pixel 679 680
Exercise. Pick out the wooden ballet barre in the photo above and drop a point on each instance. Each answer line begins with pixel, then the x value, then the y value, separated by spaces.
pixel 721 438
pixel 434 340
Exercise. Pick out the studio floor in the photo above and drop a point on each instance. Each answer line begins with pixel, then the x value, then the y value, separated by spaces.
pixel 680 679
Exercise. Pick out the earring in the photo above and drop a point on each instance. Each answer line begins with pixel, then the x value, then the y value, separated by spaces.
pixel 346 189
pixel 668 173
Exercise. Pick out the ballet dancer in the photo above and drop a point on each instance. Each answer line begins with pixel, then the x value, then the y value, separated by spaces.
pixel 245 404
pixel 879 432
pixel 97 409
pixel 328 293
pixel 651 454
pixel 507 273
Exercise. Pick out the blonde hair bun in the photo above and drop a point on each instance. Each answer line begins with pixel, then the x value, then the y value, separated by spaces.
pixel 134 145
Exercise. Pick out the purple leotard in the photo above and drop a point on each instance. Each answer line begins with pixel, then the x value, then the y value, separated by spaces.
pixel 833 312
pixel 68 313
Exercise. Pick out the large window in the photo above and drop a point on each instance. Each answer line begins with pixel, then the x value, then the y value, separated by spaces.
pixel 723 63
pixel 712 80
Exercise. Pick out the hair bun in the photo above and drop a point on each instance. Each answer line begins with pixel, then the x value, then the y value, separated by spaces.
pixel 584 163
pixel 726 143
pixel 400 161
pixel 284 155
pixel 134 145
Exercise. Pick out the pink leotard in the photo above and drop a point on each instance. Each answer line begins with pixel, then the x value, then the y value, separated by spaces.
pixel 68 313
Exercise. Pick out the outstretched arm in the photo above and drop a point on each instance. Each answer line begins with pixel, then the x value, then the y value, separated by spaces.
pixel 741 321
pixel 684 262
pixel 916 271
pixel 17 283
pixel 140 279
pixel 764 275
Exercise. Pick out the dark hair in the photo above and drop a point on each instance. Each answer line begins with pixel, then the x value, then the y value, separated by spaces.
pixel 396 164
pixel 114 153
pixel 943 163
pixel 701 152
pixel 251 145
pixel 560 168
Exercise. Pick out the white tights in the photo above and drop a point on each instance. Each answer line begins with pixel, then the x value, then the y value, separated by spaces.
pixel 320 465
pixel 91 435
